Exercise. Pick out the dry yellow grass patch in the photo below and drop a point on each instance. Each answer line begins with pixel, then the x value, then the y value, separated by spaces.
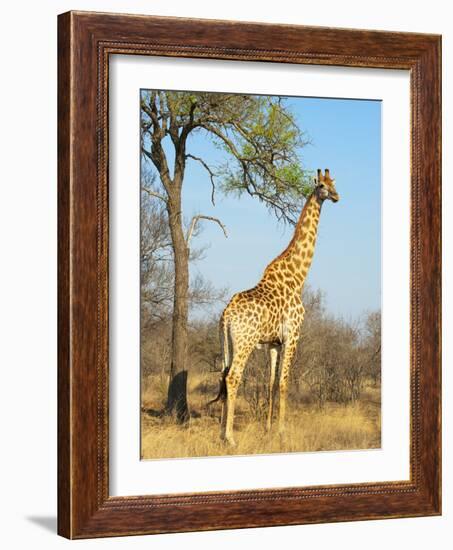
pixel 308 428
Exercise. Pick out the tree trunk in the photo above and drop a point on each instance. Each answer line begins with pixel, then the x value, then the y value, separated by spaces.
pixel 177 388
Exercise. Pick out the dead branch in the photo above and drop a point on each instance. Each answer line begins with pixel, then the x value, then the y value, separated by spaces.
pixel 194 222
pixel 212 175
pixel 154 194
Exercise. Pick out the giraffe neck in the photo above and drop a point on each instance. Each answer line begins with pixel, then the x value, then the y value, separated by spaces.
pixel 297 257
pixel 303 242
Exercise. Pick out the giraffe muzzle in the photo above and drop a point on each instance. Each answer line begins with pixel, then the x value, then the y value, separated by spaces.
pixel 334 197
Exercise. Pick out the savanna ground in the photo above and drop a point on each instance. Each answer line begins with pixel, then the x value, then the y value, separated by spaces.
pixel 309 426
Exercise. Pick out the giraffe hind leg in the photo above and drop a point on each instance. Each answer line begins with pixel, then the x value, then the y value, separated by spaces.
pixel 232 381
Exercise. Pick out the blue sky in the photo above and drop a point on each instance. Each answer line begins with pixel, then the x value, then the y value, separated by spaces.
pixel 345 136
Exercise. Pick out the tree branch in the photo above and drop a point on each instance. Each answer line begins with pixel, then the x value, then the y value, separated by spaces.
pixel 194 222
pixel 151 111
pixel 180 145
pixel 229 143
pixel 154 194
pixel 211 175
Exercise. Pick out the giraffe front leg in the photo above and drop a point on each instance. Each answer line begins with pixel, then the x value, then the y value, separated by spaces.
pixel 273 353
pixel 288 354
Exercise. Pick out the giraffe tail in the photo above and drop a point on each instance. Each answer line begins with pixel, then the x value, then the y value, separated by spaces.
pixel 225 344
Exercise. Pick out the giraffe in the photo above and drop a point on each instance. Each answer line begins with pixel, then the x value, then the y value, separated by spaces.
pixel 270 314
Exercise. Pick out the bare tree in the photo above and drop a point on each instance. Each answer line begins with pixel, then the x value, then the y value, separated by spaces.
pixel 373 345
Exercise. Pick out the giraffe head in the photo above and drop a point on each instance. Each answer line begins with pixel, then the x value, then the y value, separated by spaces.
pixel 325 186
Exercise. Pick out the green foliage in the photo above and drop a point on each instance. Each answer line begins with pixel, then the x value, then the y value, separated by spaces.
pixel 259 135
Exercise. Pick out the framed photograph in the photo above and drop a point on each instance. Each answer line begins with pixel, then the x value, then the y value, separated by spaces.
pixel 249 275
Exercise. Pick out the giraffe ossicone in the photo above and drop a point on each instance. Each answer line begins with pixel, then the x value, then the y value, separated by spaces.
pixel 271 313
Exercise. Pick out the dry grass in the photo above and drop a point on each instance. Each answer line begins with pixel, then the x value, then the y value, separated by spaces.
pixel 308 428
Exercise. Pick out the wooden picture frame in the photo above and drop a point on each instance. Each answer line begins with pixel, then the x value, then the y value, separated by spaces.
pixel 85 41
